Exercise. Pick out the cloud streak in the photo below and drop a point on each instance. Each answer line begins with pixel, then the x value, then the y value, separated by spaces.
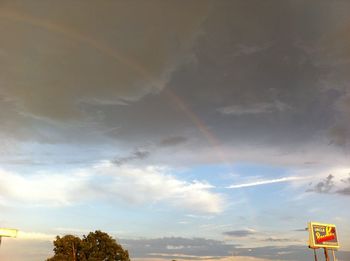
pixel 264 182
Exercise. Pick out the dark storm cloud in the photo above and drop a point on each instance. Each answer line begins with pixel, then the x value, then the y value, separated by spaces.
pixel 124 53
pixel 276 90
pixel 267 73
pixel 249 81
pixel 239 233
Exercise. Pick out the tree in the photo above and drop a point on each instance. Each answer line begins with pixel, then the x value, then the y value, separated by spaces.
pixel 66 248
pixel 96 246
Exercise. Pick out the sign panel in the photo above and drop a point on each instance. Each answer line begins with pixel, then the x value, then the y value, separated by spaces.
pixel 322 235
pixel 8 232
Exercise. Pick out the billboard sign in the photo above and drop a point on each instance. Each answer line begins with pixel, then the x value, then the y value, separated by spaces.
pixel 322 235
pixel 8 232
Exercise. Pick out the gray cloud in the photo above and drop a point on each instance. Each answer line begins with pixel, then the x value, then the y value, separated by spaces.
pixel 239 233
pixel 324 186
pixel 300 230
pixel 272 239
pixel 329 186
pixel 259 108
pixel 252 49
pixel 134 156
pixel 187 246
pixel 147 151
pixel 345 191
pixel 172 141
pixel 172 247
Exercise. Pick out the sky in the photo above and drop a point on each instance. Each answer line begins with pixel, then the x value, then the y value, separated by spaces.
pixel 188 130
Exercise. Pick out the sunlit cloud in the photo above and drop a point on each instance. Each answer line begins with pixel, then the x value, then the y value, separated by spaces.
pixel 110 183
pixel 156 184
pixel 39 189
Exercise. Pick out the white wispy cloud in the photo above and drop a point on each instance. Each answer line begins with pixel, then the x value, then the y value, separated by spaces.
pixel 107 182
pixel 40 188
pixel 264 182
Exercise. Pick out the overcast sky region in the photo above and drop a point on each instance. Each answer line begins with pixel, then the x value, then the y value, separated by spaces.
pixel 188 130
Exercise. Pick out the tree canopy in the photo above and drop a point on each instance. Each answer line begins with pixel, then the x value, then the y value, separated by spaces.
pixel 96 246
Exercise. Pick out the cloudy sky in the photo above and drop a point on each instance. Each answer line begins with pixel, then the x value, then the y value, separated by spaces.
pixel 186 129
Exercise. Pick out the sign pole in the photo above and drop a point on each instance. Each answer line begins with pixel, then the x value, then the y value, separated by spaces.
pixel 334 259
pixel 326 254
pixel 315 254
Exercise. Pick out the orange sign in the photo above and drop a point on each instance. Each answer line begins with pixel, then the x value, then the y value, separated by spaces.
pixel 322 235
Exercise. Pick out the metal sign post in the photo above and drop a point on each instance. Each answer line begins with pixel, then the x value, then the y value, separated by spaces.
pixel 333 253
pixel 326 254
